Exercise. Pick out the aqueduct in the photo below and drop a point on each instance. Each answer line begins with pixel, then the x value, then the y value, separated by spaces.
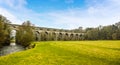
pixel 47 34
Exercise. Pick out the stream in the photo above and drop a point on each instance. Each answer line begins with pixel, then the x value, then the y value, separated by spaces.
pixel 11 49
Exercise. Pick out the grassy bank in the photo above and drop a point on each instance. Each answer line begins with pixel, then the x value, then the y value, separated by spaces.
pixel 67 53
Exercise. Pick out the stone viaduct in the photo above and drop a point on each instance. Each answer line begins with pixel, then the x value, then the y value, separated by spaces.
pixel 49 34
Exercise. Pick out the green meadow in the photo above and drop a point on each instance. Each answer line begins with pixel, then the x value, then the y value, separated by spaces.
pixel 67 53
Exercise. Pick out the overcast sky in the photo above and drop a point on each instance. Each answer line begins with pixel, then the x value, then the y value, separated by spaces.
pixel 65 14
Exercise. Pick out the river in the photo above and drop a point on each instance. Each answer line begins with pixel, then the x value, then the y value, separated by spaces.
pixel 11 49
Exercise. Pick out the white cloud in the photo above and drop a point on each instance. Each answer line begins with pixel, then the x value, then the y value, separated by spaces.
pixel 15 4
pixel 9 16
pixel 16 11
pixel 10 9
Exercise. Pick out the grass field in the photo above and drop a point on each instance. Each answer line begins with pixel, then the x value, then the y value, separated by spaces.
pixel 67 53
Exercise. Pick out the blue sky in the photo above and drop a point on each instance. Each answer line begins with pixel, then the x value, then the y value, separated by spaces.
pixel 63 14
pixel 52 5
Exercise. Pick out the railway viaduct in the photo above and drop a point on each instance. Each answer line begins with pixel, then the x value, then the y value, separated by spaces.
pixel 48 34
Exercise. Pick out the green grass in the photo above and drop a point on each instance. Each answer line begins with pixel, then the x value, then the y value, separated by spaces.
pixel 67 53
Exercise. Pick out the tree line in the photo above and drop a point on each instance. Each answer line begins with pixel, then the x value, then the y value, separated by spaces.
pixel 110 32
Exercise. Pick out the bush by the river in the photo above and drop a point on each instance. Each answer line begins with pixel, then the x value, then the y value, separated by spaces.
pixel 25 35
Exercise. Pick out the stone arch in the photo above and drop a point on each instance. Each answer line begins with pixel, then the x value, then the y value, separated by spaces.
pixel 76 37
pixel 13 36
pixel 42 36
pixel 16 38
pixel 45 36
pixel 71 36
pixel 46 32
pixel 60 36
pixel 54 36
pixel 37 35
pixel 66 36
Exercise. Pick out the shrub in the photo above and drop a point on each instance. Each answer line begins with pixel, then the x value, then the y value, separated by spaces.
pixel 25 35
